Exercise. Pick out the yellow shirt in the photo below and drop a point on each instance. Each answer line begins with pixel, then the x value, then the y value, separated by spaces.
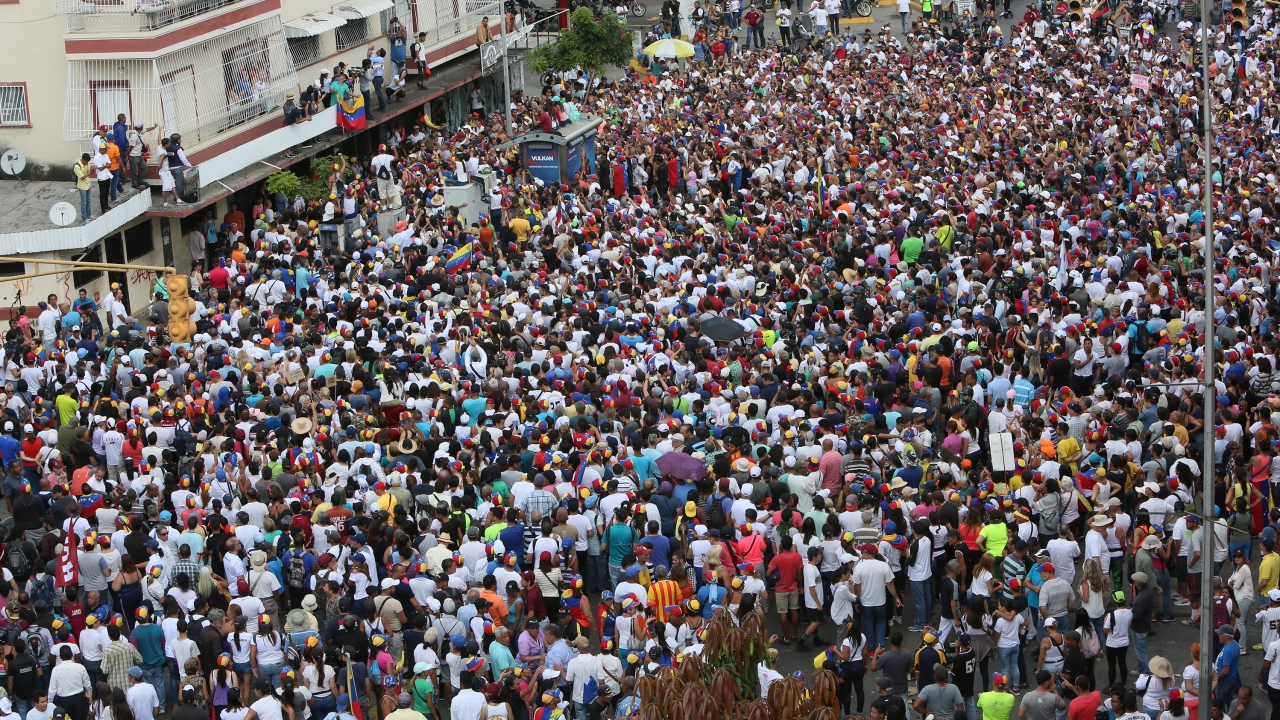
pixel 1067 447
pixel 1270 569
pixel 84 175
pixel 67 407
pixel 997 538
pixel 521 228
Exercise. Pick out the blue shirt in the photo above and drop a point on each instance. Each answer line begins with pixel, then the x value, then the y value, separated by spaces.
pixel 150 641
pixel 10 446
pixel 560 654
pixel 643 466
pixel 661 549
pixel 709 597
pixel 1229 659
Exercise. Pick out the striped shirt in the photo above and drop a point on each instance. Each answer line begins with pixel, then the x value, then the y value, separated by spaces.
pixel 663 594
pixel 1012 567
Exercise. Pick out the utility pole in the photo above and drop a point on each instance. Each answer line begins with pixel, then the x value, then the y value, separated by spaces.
pixel 506 70
pixel 1210 389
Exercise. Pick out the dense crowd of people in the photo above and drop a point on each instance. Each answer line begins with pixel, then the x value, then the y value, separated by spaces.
pixel 876 336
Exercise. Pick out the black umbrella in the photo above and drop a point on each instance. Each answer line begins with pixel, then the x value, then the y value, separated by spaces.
pixel 721 329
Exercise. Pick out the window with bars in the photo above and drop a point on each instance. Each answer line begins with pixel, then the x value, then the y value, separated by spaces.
pixel 80 278
pixel 13 105
pixel 304 50
pixel 352 34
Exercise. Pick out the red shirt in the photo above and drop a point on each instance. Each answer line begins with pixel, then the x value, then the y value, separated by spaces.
pixel 31 448
pixel 218 278
pixel 788 564
pixel 75 614
pixel 339 516
pixel 1084 707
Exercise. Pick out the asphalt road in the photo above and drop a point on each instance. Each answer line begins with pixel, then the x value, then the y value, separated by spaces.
pixel 1170 640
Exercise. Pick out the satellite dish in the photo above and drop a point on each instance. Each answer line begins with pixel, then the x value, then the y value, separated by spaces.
pixel 62 214
pixel 13 161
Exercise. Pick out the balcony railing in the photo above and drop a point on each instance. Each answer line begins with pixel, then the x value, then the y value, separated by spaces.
pixel 132 15
pixel 201 91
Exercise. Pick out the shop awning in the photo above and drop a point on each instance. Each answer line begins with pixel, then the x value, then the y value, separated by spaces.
pixel 312 25
pixel 358 9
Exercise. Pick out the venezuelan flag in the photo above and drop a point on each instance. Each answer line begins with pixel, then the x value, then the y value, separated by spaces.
pixel 460 260
pixel 351 114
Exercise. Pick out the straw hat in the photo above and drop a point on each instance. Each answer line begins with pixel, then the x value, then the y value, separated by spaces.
pixel 301 426
pixel 1160 667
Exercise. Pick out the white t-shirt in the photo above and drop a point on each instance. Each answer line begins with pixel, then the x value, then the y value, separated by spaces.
pixel 268 708
pixel 143 701
pixel 812 582
pixel 1118 635
pixel 1008 631
pixel 921 567
pixel 872 577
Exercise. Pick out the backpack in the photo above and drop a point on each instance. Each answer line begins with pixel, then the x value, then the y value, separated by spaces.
pixel 42 589
pixel 297 572
pixel 36 645
pixel 182 439
pixel 589 691
pixel 1090 645
pixel 1142 341
pixel 17 560
pixel 1222 613
pixel 715 511
pixel 384 173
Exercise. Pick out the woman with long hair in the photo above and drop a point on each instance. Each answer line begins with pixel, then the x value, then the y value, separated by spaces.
pixel 852 651
pixel 1093 590
pixel 984 583
pixel 976 621
pixel 320 680
pixel 119 706
pixel 213 589
pixel 292 695
pixel 127 586
pixel 1175 704
pixel 235 709
pixel 220 682
pixel 1155 686
pixel 240 643
pixel 267 651
pixel 969 531
pixel 1089 638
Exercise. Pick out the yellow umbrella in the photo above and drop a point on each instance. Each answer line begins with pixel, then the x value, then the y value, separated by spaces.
pixel 670 48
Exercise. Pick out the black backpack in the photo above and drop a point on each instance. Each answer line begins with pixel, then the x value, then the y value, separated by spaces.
pixel 715 511
pixel 17 561
pixel 1143 339
pixel 297 571
pixel 37 646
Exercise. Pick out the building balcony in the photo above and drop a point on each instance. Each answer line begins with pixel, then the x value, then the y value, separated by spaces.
pixel 203 91
pixel 129 17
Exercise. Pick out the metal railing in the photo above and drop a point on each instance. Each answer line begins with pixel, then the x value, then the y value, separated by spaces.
pixel 200 91
pixel 445 20
pixel 132 15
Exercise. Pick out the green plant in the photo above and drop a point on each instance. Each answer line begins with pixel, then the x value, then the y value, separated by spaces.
pixel 590 43
pixel 721 683
pixel 316 185
pixel 285 182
